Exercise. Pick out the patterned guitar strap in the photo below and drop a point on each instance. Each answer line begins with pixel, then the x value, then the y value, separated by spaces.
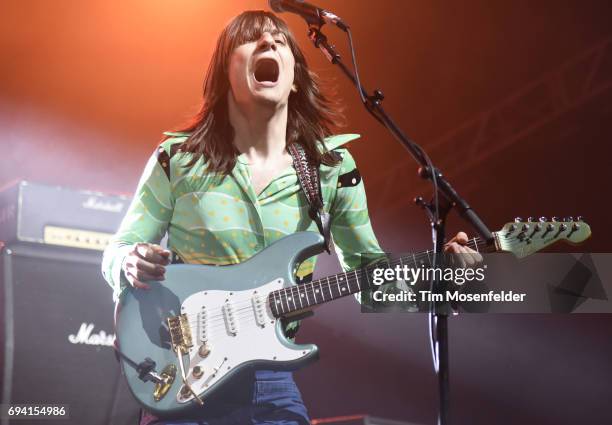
pixel 308 175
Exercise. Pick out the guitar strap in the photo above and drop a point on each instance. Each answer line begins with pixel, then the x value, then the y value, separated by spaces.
pixel 310 182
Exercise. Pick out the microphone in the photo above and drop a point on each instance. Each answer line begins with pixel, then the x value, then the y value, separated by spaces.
pixel 312 14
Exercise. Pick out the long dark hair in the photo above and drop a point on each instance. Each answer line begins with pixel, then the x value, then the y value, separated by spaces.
pixel 311 115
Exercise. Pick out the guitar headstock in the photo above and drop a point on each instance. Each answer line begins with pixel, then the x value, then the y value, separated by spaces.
pixel 523 238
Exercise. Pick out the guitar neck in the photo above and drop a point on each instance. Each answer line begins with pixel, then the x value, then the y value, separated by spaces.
pixel 301 297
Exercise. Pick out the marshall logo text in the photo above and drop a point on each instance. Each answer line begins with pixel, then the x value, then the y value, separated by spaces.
pixel 94 203
pixel 86 336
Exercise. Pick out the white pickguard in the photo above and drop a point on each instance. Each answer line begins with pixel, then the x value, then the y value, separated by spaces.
pixel 249 338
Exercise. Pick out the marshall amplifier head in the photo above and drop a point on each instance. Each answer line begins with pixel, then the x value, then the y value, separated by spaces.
pixel 53 215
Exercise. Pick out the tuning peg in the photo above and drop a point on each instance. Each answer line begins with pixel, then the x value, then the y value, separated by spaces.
pixel 543 219
pixel 549 228
pixel 518 219
pixel 530 219
pixel 575 228
pixel 569 219
pixel 580 218
pixel 554 218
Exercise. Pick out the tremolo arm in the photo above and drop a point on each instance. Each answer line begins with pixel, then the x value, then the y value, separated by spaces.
pixel 180 338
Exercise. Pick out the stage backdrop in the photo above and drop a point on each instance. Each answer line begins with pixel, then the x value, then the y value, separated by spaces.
pixel 512 98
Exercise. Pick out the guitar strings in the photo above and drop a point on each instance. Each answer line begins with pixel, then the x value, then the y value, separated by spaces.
pixel 244 316
pixel 250 317
pixel 303 290
pixel 297 290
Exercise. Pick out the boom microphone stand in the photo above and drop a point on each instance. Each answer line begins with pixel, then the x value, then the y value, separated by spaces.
pixel 436 210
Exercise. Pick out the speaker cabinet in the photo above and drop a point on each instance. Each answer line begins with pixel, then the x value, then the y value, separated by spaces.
pixel 57 336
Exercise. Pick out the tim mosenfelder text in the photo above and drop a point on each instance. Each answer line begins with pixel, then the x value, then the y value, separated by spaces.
pixel 459 276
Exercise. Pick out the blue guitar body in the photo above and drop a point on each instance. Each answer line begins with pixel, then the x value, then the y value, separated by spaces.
pixel 221 322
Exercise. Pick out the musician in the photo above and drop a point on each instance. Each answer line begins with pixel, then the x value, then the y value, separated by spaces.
pixel 224 188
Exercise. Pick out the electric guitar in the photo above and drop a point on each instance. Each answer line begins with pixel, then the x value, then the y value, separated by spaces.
pixel 193 333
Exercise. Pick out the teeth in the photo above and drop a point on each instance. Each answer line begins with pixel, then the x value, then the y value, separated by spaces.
pixel 266 70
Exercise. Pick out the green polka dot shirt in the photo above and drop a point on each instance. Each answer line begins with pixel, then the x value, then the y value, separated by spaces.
pixel 215 219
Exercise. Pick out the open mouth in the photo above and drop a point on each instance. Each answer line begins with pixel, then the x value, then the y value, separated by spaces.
pixel 266 70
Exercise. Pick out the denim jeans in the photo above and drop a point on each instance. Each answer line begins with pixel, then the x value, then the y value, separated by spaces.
pixel 263 397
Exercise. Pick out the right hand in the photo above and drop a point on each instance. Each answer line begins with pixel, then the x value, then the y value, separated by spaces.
pixel 145 261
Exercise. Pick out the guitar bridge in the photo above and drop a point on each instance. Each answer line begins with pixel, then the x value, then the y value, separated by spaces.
pixel 180 333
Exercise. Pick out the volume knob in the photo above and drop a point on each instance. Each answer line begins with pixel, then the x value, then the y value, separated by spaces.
pixel 204 351
pixel 197 372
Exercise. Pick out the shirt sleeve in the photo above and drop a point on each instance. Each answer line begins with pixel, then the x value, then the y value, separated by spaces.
pixel 354 239
pixel 146 219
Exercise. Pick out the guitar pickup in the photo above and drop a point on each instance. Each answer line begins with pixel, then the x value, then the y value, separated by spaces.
pixel 258 310
pixel 202 324
pixel 230 318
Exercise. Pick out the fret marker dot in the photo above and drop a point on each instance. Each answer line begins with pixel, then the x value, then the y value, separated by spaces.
pixel 344 288
pixel 317 291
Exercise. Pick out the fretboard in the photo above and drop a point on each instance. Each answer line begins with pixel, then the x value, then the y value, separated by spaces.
pixel 303 296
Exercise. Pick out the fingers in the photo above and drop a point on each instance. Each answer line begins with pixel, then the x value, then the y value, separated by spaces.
pixel 142 269
pixel 135 282
pixel 151 269
pixel 461 254
pixel 139 267
pixel 467 256
pixel 461 238
pixel 153 253
pixel 145 262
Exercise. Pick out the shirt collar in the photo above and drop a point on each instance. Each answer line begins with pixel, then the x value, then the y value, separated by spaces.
pixel 333 142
